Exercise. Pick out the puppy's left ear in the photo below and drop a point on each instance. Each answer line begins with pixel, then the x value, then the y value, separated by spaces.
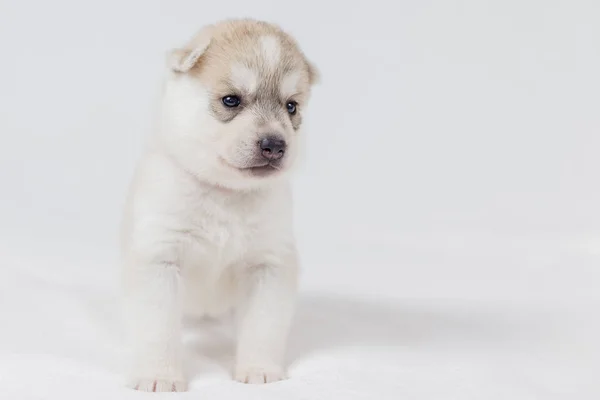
pixel 313 73
pixel 184 59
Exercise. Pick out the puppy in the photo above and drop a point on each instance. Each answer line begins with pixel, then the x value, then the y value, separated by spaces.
pixel 208 222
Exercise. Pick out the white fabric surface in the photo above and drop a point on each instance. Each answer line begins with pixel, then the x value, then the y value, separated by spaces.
pixel 60 341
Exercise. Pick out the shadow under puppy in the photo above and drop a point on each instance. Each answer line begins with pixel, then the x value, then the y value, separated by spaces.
pixel 207 226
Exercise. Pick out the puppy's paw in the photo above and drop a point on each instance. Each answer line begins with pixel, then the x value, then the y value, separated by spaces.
pixel 159 385
pixel 259 374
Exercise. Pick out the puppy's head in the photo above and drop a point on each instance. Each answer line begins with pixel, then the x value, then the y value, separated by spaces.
pixel 234 103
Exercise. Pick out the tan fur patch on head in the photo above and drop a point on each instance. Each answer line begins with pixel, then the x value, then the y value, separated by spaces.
pixel 259 46
pixel 259 63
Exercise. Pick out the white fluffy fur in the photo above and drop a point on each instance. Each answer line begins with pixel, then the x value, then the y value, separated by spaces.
pixel 271 50
pixel 201 237
pixel 244 77
pixel 289 86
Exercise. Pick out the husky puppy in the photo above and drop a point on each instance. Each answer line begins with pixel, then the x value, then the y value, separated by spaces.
pixel 207 228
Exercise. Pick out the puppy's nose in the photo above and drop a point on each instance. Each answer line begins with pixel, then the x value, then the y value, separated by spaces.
pixel 272 147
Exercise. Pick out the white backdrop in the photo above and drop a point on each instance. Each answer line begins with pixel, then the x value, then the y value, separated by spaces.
pixel 452 172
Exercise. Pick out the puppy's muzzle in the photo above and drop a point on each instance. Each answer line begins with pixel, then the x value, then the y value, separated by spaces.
pixel 272 147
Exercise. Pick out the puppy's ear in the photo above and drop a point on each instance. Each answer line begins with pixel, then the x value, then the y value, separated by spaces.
pixel 313 73
pixel 182 60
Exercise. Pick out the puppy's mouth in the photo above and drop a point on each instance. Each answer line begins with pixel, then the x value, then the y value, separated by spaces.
pixel 265 169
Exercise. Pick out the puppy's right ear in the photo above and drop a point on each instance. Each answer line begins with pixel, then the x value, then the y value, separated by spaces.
pixel 182 60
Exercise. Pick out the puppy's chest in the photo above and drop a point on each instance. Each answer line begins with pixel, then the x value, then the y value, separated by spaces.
pixel 224 233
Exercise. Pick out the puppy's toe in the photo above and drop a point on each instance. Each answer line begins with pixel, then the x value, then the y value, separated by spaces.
pixel 159 385
pixel 259 375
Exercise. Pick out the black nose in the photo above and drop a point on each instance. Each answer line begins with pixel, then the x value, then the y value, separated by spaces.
pixel 272 147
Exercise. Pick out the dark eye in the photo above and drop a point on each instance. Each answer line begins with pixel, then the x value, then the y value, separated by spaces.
pixel 291 107
pixel 231 101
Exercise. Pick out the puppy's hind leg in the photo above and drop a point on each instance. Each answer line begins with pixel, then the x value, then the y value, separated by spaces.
pixel 153 313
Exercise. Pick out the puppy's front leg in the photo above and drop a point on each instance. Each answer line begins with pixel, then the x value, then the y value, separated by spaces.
pixel 264 317
pixel 153 318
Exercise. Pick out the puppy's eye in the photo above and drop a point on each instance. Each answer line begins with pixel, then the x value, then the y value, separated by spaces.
pixel 231 101
pixel 291 107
